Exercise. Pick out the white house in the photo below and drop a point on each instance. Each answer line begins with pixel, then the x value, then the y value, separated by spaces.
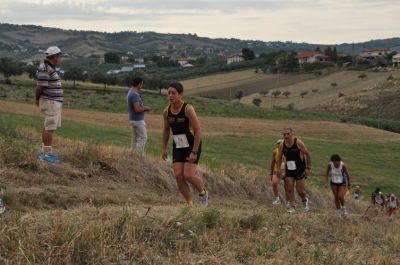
pixel 234 58
pixel 373 53
pixel 311 57
pixel 182 60
pixel 396 60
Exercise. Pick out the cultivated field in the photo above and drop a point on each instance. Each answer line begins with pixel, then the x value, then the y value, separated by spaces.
pixel 321 93
pixel 225 86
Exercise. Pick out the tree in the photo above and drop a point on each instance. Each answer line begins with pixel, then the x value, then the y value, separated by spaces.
pixel 286 94
pixel 257 102
pixel 315 90
pixel 318 49
pixel 110 57
pixel 31 71
pixel 9 67
pixel 156 82
pixel 239 95
pixel 74 74
pixel 303 93
pixel 276 93
pixel 100 78
pixel 248 54
pixel 334 84
pixel 264 93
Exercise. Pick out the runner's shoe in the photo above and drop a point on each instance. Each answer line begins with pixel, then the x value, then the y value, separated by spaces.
pixel 51 158
pixel 277 201
pixel 203 200
pixel 344 211
pixel 306 208
pixel 291 210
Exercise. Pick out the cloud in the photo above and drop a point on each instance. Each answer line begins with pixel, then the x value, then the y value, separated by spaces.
pixel 318 21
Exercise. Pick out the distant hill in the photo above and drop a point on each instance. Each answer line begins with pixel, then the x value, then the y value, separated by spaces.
pixel 25 41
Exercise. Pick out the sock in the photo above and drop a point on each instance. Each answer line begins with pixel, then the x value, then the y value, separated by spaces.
pixel 190 202
pixel 47 149
pixel 202 193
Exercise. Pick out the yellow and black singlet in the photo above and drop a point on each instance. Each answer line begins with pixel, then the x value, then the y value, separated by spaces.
pixel 295 162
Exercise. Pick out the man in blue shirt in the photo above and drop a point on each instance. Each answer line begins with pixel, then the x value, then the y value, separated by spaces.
pixel 136 110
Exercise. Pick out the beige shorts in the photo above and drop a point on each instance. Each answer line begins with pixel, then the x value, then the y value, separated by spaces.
pixel 52 113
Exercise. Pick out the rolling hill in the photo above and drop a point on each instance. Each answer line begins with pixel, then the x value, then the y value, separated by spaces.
pixel 24 41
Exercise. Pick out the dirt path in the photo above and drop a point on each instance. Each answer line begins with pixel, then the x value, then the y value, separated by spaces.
pixel 220 126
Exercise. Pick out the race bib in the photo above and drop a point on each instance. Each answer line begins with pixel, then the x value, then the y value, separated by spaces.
pixel 181 141
pixel 336 178
pixel 378 199
pixel 291 165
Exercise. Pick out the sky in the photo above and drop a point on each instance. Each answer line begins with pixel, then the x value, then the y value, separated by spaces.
pixel 312 21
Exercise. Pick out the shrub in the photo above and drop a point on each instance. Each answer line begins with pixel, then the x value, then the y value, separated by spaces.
pixel 257 102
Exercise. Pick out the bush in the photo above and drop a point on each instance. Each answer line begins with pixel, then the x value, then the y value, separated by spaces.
pixel 210 218
pixel 254 222
pixel 257 102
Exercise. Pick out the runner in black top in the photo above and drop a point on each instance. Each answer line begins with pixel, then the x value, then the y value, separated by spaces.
pixel 298 167
pixel 181 119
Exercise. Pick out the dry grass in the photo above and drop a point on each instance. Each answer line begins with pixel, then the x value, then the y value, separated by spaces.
pixel 106 205
pixel 214 126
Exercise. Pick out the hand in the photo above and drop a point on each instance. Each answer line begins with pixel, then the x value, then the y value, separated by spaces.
pixel 326 184
pixel 164 156
pixel 307 172
pixel 147 109
pixel 192 157
pixel 279 173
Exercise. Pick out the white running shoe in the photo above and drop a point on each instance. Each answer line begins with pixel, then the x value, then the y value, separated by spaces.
pixel 306 208
pixel 277 201
pixel 344 211
pixel 203 200
pixel 2 206
pixel 291 210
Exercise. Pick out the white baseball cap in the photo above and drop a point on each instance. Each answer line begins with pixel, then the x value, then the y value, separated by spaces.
pixel 279 141
pixel 52 51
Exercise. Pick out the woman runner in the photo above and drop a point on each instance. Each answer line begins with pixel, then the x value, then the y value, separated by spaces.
pixel 180 118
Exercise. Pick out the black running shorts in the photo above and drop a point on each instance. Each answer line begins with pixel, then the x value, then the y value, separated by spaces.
pixel 181 155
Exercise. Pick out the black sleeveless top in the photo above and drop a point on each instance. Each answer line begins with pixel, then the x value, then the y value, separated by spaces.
pixel 180 124
pixel 294 155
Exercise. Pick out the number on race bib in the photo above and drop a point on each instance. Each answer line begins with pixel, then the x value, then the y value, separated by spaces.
pixel 291 165
pixel 181 141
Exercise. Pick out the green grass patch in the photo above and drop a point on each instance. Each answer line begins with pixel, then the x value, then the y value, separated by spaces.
pixel 370 164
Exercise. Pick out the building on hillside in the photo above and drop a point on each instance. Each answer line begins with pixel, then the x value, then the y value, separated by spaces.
pixel 374 57
pixel 139 66
pixel 113 72
pixel 396 60
pixel 182 60
pixel 188 65
pixel 311 57
pixel 139 60
pixel 234 58
pixel 126 69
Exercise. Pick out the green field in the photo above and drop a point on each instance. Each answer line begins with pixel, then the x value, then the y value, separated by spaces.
pixel 370 164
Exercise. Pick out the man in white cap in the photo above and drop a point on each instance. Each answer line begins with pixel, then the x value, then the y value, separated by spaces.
pixel 49 98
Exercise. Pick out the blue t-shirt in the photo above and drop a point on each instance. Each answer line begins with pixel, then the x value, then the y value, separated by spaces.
pixel 132 97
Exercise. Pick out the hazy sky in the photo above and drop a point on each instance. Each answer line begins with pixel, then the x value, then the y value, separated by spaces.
pixel 316 21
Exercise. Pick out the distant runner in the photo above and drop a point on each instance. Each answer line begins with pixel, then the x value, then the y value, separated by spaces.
pixel 181 119
pixel 377 204
pixel 274 173
pixel 297 168
pixel 378 198
pixel 357 193
pixel 391 204
pixel 339 178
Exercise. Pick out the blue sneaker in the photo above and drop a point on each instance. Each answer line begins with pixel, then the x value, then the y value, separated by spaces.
pixel 51 158
pixel 40 153
pixel 203 200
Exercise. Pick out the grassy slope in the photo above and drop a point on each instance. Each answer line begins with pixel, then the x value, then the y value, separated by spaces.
pixel 104 205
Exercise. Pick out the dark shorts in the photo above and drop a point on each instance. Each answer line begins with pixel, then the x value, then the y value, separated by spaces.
pixel 296 176
pixel 344 184
pixel 181 155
